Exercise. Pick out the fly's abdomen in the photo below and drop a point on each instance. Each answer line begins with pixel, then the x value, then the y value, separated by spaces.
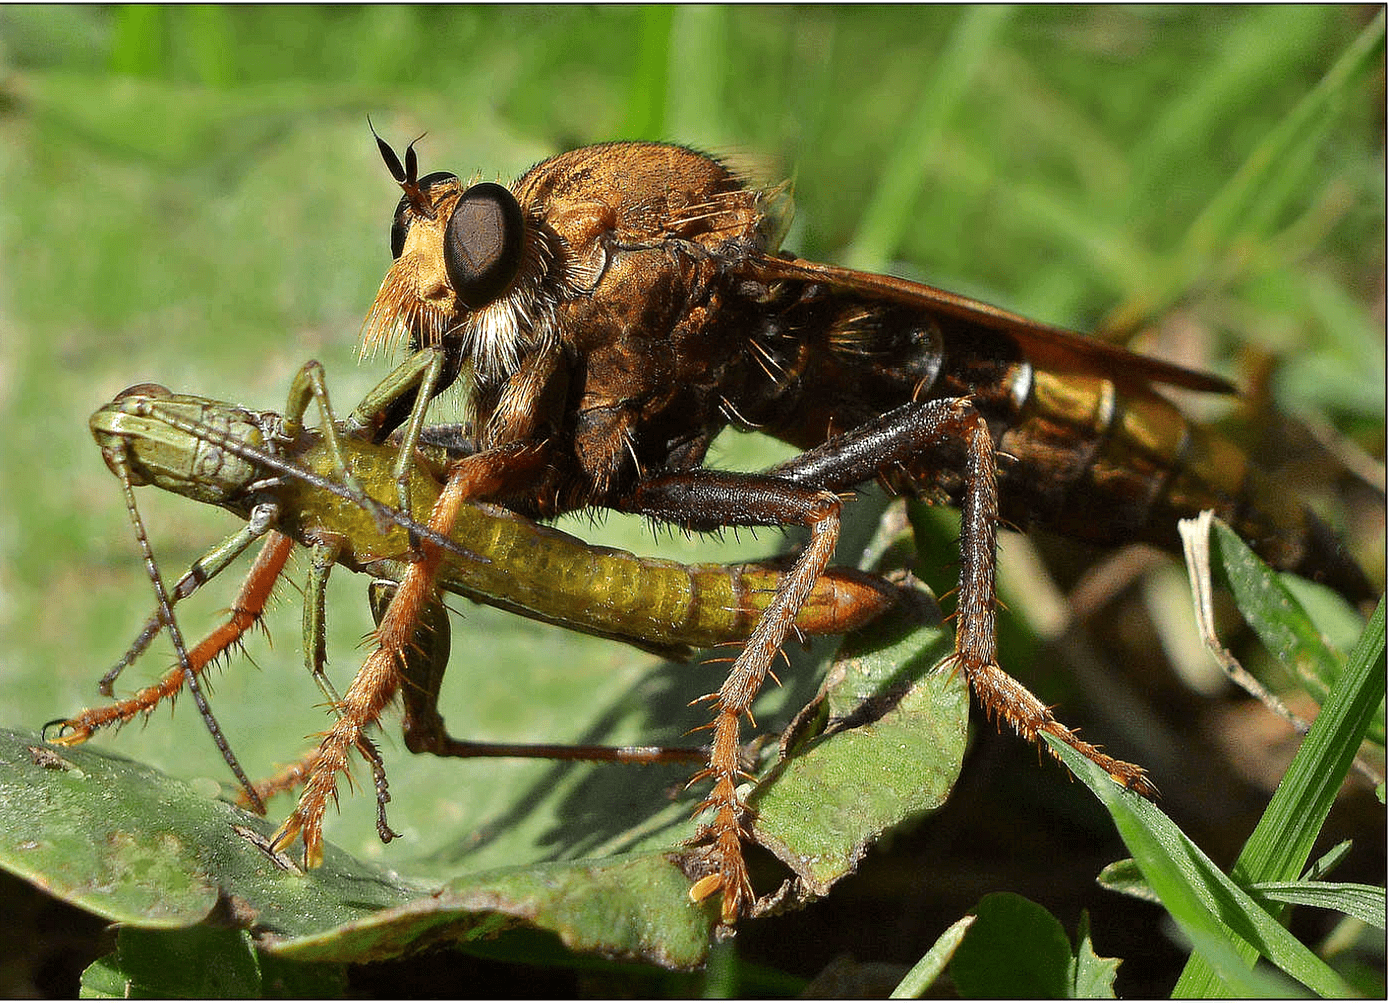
pixel 1085 459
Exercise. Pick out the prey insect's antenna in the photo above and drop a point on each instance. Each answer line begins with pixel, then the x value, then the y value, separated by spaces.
pixel 166 614
pixel 269 460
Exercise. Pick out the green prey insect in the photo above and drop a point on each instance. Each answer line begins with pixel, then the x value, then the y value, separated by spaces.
pixel 319 487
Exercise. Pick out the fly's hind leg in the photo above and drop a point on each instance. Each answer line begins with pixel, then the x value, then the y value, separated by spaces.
pixel 799 491
pixel 707 499
pixel 904 435
pixel 1003 697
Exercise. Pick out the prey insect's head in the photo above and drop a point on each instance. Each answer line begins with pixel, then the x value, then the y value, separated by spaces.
pixel 152 436
pixel 455 251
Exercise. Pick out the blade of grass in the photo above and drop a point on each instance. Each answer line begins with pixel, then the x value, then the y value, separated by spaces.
pixel 1227 216
pixel 646 103
pixel 1220 919
pixel 1363 902
pixel 890 213
pixel 1278 848
pixel 929 968
pixel 1285 628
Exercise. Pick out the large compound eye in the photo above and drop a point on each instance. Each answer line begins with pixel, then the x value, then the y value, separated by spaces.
pixel 482 244
pixel 145 390
pixel 400 226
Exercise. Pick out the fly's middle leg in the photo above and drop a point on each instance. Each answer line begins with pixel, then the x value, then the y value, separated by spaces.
pixel 703 499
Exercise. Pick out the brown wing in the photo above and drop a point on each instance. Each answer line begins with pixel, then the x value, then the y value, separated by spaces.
pixel 1051 348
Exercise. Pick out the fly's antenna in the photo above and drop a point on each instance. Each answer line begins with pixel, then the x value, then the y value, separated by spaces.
pixel 407 176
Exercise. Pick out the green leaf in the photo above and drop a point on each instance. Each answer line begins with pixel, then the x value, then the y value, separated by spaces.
pixel 1124 877
pixel 1094 976
pixel 891 749
pixel 1279 847
pixel 1011 947
pixel 105 979
pixel 1279 618
pixel 634 907
pixel 1328 862
pixel 1014 949
pixel 202 962
pixel 1363 902
pixel 136 846
pixel 128 843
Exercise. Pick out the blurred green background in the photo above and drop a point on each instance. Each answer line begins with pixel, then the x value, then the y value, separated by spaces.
pixel 190 195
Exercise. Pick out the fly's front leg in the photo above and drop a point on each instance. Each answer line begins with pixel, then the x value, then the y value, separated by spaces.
pixel 905 435
pixel 117 458
pixel 422 667
pixel 379 679
pixel 705 499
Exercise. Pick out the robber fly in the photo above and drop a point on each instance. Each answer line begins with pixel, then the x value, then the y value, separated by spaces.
pixel 288 482
pixel 619 305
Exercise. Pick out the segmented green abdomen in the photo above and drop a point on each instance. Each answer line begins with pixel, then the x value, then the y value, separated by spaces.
pixel 552 576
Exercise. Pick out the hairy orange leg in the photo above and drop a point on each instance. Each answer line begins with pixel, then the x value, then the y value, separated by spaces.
pixel 118 460
pixel 246 610
pixel 379 679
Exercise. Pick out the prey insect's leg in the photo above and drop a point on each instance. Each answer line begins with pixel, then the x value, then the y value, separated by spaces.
pixel 309 384
pixel 322 558
pixel 707 497
pixel 325 555
pixel 118 463
pixel 246 609
pixel 900 436
pixel 202 571
pixel 422 667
